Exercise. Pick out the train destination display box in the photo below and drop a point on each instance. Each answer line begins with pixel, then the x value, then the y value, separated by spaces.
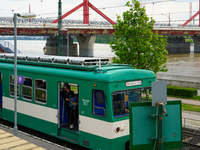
pixel 155 126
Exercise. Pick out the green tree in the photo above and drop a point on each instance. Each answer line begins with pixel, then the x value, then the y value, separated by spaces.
pixel 135 43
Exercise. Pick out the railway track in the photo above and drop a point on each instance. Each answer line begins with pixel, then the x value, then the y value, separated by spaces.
pixel 191 138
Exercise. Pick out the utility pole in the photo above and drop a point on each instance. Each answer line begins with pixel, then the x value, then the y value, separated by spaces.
pixel 60 36
pixel 15 74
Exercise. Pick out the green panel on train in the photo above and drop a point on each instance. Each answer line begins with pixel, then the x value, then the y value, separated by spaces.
pixel 103 92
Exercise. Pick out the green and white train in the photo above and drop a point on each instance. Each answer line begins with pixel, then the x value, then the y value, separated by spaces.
pixel 103 90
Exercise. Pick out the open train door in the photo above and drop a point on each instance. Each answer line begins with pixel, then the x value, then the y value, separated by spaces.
pixel 65 120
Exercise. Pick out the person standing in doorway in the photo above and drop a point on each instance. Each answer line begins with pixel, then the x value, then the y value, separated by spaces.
pixel 66 101
pixel 70 94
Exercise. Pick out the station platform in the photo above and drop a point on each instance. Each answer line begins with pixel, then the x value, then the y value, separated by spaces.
pixel 10 142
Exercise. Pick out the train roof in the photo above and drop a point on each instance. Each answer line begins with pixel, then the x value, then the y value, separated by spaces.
pixel 95 69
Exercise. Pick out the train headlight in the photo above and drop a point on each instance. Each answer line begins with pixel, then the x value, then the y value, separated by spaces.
pixel 122 128
pixel 117 129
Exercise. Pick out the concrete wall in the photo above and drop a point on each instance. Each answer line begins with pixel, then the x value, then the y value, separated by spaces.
pixel 177 45
pixel 196 40
pixel 179 80
pixel 52 47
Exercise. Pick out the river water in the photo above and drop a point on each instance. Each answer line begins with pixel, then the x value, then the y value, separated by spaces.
pixel 178 64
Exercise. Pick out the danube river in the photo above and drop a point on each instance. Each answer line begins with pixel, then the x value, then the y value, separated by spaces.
pixel 178 64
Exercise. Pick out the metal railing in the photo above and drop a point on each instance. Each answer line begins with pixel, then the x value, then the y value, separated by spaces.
pixel 88 26
pixel 8 47
pixel 50 25
pixel 49 20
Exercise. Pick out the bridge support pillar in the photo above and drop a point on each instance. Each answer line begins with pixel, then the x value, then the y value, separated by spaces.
pixel 86 45
pixel 196 40
pixel 177 45
pixel 52 46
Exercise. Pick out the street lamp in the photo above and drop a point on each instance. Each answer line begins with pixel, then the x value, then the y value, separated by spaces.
pixel 168 17
pixel 24 15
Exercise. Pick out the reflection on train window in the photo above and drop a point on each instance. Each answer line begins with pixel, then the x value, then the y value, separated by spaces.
pixel 12 86
pixel 99 108
pixel 74 87
pixel 41 91
pixel 121 100
pixel 27 89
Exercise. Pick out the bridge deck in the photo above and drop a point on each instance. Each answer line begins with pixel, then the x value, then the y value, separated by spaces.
pixel 11 142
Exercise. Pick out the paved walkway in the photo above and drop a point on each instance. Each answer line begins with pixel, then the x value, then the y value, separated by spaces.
pixel 9 141
pixel 185 101
pixel 188 114
pixel 38 144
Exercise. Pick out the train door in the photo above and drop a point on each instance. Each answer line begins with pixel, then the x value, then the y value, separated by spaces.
pixel 68 109
pixel 1 90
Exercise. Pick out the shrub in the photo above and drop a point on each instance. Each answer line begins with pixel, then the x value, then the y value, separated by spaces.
pixel 181 91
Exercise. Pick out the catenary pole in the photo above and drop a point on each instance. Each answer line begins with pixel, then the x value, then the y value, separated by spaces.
pixel 15 74
pixel 60 36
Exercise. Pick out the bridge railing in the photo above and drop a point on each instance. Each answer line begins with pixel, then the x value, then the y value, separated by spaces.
pixel 85 26
pixel 51 25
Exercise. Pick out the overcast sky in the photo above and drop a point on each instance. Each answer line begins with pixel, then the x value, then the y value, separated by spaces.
pixel 48 8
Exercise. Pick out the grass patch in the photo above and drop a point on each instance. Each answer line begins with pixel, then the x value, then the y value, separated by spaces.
pixel 188 107
pixel 196 98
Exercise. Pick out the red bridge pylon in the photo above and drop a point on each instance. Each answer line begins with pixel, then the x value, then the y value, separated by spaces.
pixel 86 4
pixel 197 13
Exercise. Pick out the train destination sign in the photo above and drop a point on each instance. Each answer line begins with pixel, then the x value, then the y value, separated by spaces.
pixel 133 83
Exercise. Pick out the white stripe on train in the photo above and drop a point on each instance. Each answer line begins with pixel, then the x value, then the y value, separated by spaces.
pixel 87 124
pixel 103 128
pixel 33 110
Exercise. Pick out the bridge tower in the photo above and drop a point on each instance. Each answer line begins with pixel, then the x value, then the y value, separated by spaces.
pixel 191 18
pixel 86 43
pixel 196 39
pixel 85 4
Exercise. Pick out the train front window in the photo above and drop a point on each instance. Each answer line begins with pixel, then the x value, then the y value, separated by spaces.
pixel 121 100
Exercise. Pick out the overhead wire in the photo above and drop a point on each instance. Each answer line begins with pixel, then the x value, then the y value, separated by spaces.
pixel 108 7
pixel 180 12
pixel 6 9
pixel 27 5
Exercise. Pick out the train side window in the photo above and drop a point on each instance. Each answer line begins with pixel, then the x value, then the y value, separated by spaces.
pixel 27 89
pixel 12 86
pixel 41 91
pixel 99 108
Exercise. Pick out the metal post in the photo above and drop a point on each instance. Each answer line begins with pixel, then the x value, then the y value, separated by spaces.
pixel 60 36
pixel 15 73
pixel 199 13
pixel 86 12
pixel 160 127
pixel 67 42
pixel 184 127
